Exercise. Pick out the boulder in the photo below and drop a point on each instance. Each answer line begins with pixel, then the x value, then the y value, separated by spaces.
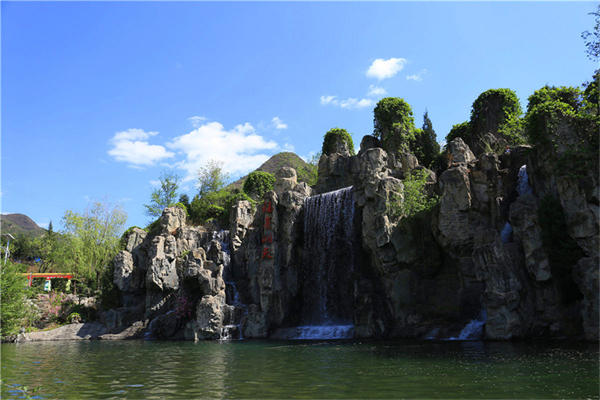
pixel 459 152
pixel 172 219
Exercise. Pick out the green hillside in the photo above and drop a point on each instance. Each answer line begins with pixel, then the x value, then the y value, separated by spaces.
pixel 283 159
pixel 19 224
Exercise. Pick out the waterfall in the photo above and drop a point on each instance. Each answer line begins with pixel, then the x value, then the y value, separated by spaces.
pixel 232 329
pixel 523 187
pixel 328 264
pixel 474 329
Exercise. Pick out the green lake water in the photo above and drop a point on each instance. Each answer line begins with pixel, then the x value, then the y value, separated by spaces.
pixel 271 369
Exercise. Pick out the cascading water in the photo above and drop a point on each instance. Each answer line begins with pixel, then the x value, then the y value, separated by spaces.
pixel 232 330
pixel 474 329
pixel 328 263
pixel 523 187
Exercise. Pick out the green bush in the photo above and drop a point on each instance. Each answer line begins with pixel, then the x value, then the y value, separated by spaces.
pixel 258 183
pixel 416 199
pixel 462 130
pixel 563 94
pixel 542 120
pixel 13 293
pixel 492 109
pixel 215 206
pixel 334 135
pixel 393 124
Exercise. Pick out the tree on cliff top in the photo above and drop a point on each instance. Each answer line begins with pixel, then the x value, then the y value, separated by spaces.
pixel 425 146
pixel 211 178
pixel 393 123
pixel 163 196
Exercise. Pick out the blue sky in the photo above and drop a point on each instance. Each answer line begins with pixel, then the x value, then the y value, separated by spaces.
pixel 99 98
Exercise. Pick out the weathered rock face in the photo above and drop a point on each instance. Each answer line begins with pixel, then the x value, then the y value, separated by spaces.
pixel 426 275
pixel 174 281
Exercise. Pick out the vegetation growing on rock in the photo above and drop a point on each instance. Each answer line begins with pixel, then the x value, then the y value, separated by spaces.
pixel 393 124
pixel 258 183
pixel 335 136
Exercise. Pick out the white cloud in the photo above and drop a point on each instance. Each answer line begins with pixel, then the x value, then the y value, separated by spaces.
pixel 375 91
pixel 240 149
pixel 328 100
pixel 131 146
pixel 416 77
pixel 383 69
pixel 349 103
pixel 196 120
pixel 278 123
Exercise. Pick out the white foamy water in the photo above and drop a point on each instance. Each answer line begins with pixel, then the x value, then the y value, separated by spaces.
pixel 313 332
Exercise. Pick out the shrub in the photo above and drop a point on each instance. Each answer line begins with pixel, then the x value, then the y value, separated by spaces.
pixel 542 120
pixel 563 94
pixel 492 109
pixel 416 199
pixel 13 293
pixel 393 123
pixel 332 137
pixel 258 183
pixel 462 130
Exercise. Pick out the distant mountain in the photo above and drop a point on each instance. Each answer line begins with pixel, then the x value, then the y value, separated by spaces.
pixel 273 164
pixel 19 223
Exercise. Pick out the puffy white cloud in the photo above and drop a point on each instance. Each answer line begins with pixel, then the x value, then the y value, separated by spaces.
pixel 383 69
pixel 131 146
pixel 375 91
pixel 196 120
pixel 278 123
pixel 416 77
pixel 240 149
pixel 349 103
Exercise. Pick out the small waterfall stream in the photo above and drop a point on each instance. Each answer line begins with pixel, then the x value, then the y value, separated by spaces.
pixel 328 263
pixel 232 330
pixel 474 329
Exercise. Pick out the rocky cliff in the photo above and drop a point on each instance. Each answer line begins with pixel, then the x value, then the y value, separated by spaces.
pixel 510 250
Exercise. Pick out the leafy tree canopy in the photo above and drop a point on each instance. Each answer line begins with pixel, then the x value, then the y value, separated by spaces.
pixel 393 123
pixel 592 39
pixel 163 196
pixel 211 178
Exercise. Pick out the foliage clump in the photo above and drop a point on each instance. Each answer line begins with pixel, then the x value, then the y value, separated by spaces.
pixel 163 196
pixel 565 122
pixel 415 197
pixel 496 111
pixel 13 294
pixel 394 124
pixel 334 136
pixel 258 183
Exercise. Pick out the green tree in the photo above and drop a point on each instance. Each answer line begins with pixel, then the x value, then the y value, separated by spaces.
pixel 393 123
pixel 592 39
pixel 462 130
pixel 163 196
pixel 425 147
pixel 258 183
pixel 91 240
pixel 334 136
pixel 211 178
pixel 565 94
pixel 12 299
